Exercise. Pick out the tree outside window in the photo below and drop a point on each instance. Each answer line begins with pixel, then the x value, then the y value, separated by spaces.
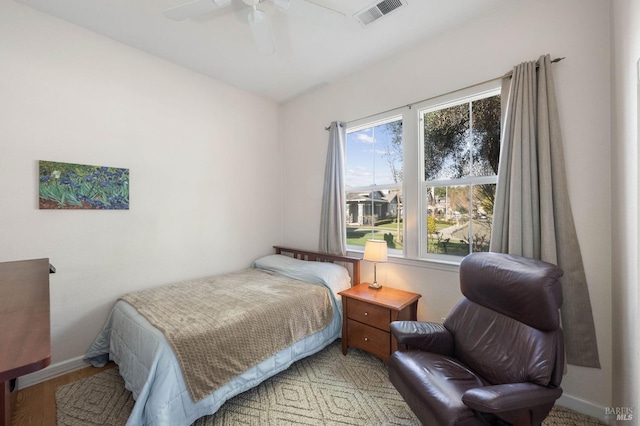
pixel 461 152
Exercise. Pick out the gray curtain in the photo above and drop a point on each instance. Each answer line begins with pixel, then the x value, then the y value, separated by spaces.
pixel 333 238
pixel 532 215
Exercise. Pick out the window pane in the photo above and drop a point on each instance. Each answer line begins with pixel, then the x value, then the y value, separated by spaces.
pixel 462 140
pixel 483 198
pixel 446 143
pixel 375 215
pixel 459 218
pixel 486 135
pixel 374 155
pixel 448 220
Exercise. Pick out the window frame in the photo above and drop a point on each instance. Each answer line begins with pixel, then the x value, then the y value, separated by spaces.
pixel 441 102
pixel 365 123
pixel 414 211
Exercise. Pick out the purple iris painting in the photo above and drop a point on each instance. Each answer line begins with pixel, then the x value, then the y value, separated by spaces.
pixel 78 186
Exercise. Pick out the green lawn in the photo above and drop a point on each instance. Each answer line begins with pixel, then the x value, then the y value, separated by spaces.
pixel 453 248
pixel 358 236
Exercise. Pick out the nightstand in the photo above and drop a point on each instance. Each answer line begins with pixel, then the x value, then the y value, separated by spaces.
pixel 367 313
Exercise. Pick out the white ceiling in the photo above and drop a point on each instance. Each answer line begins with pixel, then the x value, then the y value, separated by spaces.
pixel 219 44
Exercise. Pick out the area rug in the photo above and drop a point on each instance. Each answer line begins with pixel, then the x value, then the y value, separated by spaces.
pixel 324 389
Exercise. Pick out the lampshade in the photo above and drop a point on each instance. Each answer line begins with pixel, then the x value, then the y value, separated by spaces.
pixel 375 251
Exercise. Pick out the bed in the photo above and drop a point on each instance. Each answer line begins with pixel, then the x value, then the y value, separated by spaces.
pixel 152 362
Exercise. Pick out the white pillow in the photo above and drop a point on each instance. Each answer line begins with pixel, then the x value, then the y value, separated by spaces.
pixel 333 276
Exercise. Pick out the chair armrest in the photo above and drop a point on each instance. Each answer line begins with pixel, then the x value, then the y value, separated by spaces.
pixel 426 336
pixel 509 397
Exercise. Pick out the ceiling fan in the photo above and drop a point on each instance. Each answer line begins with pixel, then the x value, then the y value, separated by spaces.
pixel 258 19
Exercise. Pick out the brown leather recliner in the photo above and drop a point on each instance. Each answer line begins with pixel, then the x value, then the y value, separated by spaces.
pixel 499 356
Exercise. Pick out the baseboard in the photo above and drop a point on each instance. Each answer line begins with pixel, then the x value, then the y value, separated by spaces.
pixel 585 407
pixel 52 371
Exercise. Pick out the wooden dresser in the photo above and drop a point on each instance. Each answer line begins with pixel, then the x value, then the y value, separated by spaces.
pixel 367 314
pixel 25 329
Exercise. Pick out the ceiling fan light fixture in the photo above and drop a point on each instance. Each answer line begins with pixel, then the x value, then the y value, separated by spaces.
pixel 256 16
pixel 259 21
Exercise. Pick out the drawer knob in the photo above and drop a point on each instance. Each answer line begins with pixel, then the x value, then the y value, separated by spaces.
pixel 366 339
pixel 366 314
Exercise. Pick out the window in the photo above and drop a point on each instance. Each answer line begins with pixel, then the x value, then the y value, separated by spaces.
pixel 374 184
pixel 461 143
pixel 423 177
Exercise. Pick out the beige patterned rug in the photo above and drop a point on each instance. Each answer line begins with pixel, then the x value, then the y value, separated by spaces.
pixel 324 389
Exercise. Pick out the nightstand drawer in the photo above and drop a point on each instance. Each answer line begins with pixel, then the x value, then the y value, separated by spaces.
pixel 370 339
pixel 366 313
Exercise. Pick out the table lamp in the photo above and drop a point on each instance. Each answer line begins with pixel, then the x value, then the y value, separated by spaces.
pixel 375 251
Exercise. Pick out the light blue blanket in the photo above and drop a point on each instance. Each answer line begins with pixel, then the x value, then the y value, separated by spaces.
pixel 152 373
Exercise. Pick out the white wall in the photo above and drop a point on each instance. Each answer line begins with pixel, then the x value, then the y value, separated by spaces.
pixel 203 157
pixel 482 49
pixel 626 256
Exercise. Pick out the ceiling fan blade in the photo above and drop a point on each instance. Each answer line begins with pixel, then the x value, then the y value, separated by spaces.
pixel 194 8
pixel 261 31
pixel 312 12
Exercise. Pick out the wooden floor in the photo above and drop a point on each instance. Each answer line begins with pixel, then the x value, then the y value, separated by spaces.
pixel 36 405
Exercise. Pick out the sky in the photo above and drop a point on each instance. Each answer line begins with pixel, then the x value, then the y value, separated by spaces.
pixel 366 161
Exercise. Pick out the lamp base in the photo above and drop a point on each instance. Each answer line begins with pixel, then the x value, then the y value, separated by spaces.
pixel 375 286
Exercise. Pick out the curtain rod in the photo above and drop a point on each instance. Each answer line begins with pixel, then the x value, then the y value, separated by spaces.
pixel 509 74
pixel 553 61
pixel 328 127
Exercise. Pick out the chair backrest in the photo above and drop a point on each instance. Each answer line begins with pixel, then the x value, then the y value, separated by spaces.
pixel 507 328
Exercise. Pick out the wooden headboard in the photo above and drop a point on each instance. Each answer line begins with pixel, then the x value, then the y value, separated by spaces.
pixel 351 263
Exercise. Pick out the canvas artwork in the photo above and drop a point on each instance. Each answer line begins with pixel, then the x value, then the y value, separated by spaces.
pixel 79 186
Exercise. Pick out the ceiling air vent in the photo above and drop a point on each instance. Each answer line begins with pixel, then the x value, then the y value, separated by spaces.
pixel 377 10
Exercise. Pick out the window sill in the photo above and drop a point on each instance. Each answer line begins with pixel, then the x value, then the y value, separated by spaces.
pixel 441 265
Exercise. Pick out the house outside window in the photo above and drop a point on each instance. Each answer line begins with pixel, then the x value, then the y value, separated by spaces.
pixel 423 177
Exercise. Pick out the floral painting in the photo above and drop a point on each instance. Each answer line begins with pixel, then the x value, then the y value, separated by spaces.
pixel 78 186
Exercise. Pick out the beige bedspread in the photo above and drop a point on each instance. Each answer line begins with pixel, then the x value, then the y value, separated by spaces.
pixel 220 326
